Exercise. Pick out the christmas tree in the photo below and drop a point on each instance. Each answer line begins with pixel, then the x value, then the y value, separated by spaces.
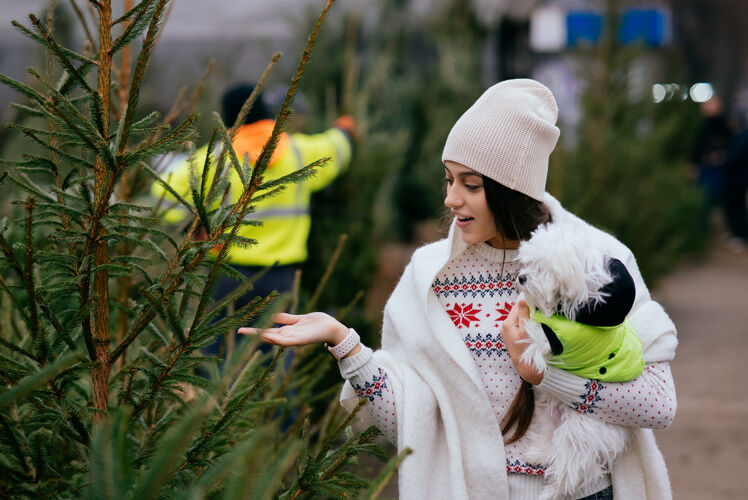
pixel 105 310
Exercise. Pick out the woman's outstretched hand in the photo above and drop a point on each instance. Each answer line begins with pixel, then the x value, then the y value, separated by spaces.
pixel 512 333
pixel 301 329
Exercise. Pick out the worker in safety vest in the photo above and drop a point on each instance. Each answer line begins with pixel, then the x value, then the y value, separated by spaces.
pixel 286 222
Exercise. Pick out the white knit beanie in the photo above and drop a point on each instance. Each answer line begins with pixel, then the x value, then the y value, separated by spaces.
pixel 508 135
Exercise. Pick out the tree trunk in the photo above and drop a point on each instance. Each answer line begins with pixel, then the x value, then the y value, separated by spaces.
pixel 100 373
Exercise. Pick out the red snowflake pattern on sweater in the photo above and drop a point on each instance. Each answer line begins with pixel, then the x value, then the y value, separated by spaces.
pixel 590 398
pixel 518 467
pixel 370 382
pixel 372 389
pixel 486 284
pixel 488 344
pixel 503 310
pixel 463 315
pixel 648 401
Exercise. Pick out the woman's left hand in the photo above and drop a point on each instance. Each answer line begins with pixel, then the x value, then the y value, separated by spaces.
pixel 513 331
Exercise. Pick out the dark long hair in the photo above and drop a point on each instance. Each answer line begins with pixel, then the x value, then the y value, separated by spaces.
pixel 516 216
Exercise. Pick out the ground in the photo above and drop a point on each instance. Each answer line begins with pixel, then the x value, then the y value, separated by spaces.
pixel 706 448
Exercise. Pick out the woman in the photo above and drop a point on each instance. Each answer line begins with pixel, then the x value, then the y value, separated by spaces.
pixel 449 368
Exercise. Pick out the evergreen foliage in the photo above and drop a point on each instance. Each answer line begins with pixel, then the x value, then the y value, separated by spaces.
pixel 104 311
pixel 627 171
pixel 406 83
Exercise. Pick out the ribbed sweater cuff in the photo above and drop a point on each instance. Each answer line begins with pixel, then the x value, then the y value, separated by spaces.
pixel 360 364
pixel 524 486
pixel 565 386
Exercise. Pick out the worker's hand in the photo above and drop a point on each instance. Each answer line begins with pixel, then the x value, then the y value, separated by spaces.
pixel 301 329
pixel 348 124
pixel 512 333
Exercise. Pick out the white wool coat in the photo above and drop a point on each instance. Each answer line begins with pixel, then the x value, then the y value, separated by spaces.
pixel 443 412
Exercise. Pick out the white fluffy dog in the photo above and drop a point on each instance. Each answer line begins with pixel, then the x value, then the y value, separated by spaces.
pixel 563 273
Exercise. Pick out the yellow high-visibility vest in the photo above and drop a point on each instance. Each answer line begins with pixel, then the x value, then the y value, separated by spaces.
pixel 286 222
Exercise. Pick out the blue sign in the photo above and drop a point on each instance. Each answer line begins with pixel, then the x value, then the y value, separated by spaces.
pixel 648 26
pixel 583 28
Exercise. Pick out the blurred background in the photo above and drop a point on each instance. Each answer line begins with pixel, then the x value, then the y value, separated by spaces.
pixel 653 101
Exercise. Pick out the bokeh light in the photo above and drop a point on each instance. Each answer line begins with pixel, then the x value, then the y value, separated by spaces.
pixel 658 92
pixel 701 92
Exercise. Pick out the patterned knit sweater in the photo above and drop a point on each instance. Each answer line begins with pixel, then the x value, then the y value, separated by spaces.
pixel 477 289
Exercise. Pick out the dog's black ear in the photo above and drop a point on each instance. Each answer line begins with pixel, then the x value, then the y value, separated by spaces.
pixel 621 293
pixel 556 346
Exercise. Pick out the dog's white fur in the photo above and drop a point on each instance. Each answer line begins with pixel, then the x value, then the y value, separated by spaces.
pixel 562 271
pixel 562 268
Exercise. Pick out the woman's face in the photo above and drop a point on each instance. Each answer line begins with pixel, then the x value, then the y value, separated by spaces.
pixel 466 200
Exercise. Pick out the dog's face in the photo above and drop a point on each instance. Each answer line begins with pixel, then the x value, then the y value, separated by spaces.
pixel 561 273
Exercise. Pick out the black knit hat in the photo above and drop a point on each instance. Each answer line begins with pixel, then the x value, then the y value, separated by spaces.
pixel 234 99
